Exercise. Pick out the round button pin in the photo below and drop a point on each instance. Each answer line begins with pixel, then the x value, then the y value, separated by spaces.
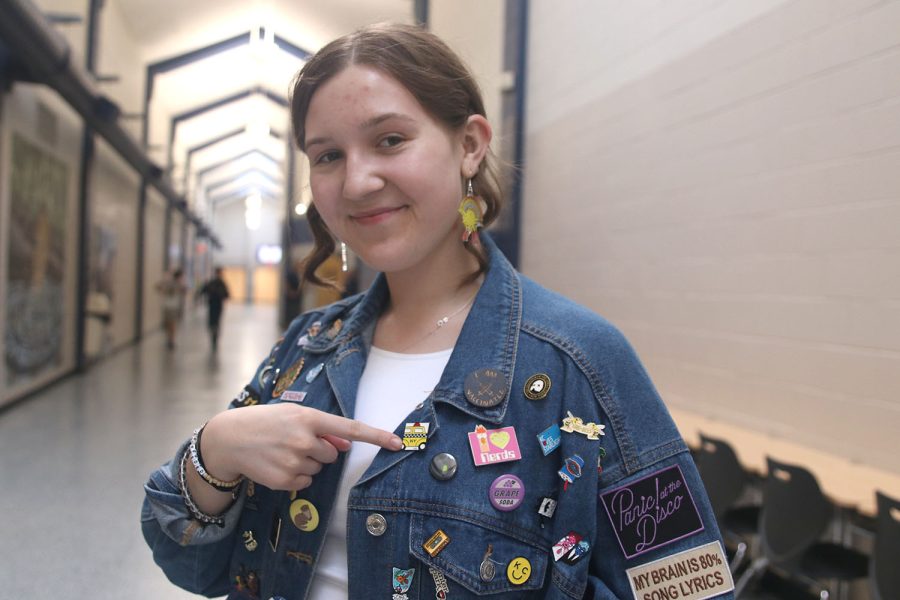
pixel 537 387
pixel 518 571
pixel 376 524
pixel 507 492
pixel 485 388
pixel 443 466
pixel 304 515
pixel 265 376
pixel 487 570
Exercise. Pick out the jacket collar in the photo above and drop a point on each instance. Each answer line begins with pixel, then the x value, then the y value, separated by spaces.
pixel 488 340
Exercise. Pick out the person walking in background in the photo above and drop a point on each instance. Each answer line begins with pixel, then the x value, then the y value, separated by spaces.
pixel 173 290
pixel 216 293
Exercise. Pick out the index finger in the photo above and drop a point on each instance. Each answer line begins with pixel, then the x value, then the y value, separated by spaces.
pixel 351 429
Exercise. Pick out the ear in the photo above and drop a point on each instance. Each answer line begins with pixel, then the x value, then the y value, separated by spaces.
pixel 476 139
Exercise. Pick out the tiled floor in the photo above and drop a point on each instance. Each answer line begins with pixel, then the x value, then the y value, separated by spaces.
pixel 74 459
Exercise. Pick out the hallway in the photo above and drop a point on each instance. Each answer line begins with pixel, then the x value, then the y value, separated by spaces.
pixel 74 458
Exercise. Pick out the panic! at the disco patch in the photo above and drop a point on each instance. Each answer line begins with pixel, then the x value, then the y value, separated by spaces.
pixel 652 512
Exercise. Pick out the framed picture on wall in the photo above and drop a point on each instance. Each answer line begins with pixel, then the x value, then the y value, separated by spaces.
pixel 35 260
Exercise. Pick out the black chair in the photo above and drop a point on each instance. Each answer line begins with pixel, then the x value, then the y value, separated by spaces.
pixel 726 481
pixel 795 515
pixel 884 574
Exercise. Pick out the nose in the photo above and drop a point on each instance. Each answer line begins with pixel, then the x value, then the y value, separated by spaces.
pixel 361 177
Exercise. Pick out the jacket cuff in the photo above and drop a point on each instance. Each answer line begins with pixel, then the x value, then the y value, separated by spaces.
pixel 166 505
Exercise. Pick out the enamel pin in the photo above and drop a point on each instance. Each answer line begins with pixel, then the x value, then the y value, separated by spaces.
pixel 549 439
pixel 571 424
pixel 571 470
pixel 402 580
pixel 537 387
pixel 491 446
pixel 437 542
pixel 334 329
pixel 564 545
pixel 441 589
pixel 287 379
pixel 314 372
pixel 415 436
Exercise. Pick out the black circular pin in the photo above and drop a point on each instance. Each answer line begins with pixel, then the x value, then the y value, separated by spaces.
pixel 485 388
pixel 537 387
pixel 266 375
pixel 443 466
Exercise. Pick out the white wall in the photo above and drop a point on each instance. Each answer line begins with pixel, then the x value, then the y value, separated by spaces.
pixel 114 208
pixel 239 244
pixel 720 180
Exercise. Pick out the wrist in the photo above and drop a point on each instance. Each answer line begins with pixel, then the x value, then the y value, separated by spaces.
pixel 204 452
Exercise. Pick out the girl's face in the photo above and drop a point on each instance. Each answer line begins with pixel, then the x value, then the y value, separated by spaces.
pixel 386 177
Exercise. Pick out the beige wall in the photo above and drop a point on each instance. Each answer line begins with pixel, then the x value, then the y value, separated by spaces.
pixel 153 260
pixel 478 40
pixel 722 181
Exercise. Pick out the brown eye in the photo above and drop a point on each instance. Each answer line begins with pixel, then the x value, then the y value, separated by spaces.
pixel 327 157
pixel 390 141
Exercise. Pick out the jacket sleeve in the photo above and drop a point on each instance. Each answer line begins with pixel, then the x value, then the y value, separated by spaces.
pixel 195 556
pixel 657 537
pixel 656 534
pixel 192 555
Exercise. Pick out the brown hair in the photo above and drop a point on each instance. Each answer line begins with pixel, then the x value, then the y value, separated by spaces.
pixel 432 73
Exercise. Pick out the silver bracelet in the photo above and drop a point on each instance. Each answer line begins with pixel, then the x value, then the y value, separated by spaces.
pixel 197 461
pixel 189 501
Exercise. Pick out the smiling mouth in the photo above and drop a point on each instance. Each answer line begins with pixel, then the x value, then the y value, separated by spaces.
pixel 376 216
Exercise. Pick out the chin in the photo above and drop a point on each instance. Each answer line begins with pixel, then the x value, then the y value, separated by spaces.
pixel 386 259
pixel 388 264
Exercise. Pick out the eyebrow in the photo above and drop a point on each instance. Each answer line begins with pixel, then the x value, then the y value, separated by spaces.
pixel 374 121
pixel 368 124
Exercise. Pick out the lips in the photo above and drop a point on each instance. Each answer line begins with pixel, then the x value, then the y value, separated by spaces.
pixel 376 215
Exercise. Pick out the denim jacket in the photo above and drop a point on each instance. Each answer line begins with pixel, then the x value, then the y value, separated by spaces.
pixel 631 515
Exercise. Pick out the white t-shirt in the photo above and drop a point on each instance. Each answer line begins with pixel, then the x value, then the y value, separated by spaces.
pixel 390 388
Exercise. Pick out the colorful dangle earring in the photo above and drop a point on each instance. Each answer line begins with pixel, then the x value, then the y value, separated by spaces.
pixel 470 211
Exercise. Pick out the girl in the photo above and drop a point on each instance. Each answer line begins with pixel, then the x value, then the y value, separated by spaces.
pixel 455 431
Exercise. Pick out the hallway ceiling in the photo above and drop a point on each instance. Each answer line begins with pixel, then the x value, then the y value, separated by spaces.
pixel 244 87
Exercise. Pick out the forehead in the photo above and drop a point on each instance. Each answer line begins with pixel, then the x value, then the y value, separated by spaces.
pixel 357 93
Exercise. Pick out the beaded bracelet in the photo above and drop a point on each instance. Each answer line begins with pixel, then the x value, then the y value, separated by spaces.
pixel 189 501
pixel 197 460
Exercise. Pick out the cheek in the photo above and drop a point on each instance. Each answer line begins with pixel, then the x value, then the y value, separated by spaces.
pixel 323 197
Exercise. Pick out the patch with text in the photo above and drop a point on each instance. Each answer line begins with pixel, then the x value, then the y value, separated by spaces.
pixel 651 512
pixel 694 574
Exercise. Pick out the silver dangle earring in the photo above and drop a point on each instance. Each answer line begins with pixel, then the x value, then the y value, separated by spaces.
pixel 344 266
